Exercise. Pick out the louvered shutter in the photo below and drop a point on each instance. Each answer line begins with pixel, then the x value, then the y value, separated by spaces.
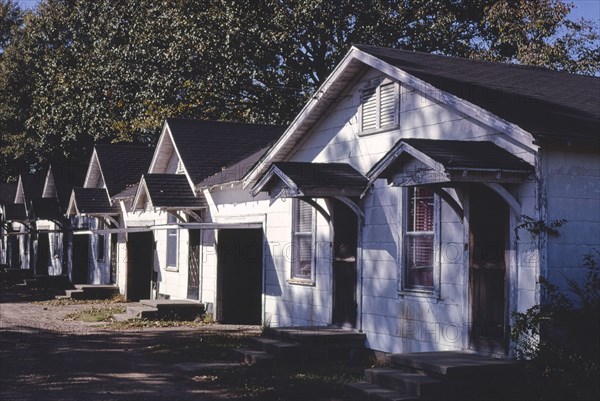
pixel 369 109
pixel 379 107
pixel 387 105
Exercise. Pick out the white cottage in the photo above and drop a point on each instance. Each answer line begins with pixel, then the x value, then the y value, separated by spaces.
pixel 188 230
pixel 96 217
pixel 397 193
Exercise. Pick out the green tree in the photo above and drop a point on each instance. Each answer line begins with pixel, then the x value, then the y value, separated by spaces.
pixel 11 17
pixel 78 72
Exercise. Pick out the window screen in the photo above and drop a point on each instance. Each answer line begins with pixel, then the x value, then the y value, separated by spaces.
pixel 419 238
pixel 302 247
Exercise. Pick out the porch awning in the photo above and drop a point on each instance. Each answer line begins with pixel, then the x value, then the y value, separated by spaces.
pixel 46 209
pixel 427 161
pixel 167 191
pixel 15 212
pixel 301 179
pixel 91 201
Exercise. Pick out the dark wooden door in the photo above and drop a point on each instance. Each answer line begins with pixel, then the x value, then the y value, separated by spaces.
pixel 43 255
pixel 13 250
pixel 80 259
pixel 193 291
pixel 488 242
pixel 345 228
pixel 140 265
pixel 239 276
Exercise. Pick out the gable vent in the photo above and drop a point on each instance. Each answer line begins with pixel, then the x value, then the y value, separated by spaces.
pixel 379 107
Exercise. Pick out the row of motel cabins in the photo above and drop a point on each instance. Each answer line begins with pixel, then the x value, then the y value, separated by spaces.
pixel 390 205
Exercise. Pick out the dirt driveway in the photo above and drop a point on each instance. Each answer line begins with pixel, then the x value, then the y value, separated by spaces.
pixel 44 357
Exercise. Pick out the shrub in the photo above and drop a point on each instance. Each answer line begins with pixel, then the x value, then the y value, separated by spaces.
pixel 560 337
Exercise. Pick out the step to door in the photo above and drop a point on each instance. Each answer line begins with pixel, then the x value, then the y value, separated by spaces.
pixel 255 357
pixel 366 391
pixel 413 383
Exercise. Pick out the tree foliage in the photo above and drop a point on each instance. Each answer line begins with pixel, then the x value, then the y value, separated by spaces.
pixel 78 72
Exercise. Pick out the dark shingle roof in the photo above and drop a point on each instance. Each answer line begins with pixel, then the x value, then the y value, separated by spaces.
pixel 171 190
pixel 127 193
pixel 208 146
pixel 546 103
pixel 33 185
pixel 123 164
pixel 234 172
pixel 15 212
pixel 45 208
pixel 7 192
pixel 320 175
pixel 468 154
pixel 93 201
pixel 66 177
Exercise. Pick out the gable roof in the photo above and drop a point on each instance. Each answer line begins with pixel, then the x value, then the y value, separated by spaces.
pixel 122 164
pixel 206 147
pixel 30 186
pixel 486 83
pixel 234 172
pixel 90 201
pixel 64 177
pixel 546 103
pixel 168 191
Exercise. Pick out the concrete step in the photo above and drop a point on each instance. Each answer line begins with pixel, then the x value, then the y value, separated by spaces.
pixel 278 348
pixel 141 312
pixel 453 364
pixel 329 336
pixel 48 282
pixel 413 383
pixel 253 357
pixel 175 309
pixel 367 391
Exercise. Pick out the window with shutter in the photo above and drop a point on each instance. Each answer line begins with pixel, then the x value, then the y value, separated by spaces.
pixel 172 236
pixel 302 240
pixel 419 239
pixel 379 107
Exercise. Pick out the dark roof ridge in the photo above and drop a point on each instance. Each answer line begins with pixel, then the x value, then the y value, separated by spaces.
pixel 475 60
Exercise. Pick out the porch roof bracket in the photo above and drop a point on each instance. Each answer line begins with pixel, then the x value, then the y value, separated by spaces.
pixel 352 205
pixel 193 215
pixel 319 208
pixel 109 219
pixel 507 196
pixel 451 201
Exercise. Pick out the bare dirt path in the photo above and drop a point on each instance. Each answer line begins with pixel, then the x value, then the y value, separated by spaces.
pixel 44 357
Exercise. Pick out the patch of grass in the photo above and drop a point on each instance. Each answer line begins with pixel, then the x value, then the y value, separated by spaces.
pixel 96 314
pixel 133 324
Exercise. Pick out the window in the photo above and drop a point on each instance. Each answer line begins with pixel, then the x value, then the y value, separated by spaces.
pixel 100 243
pixel 172 234
pixel 302 240
pixel 419 239
pixel 379 107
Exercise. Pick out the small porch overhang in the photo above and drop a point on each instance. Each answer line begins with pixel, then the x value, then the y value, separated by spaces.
pixel 307 180
pixel 315 180
pixel 426 161
pixel 92 202
pixel 15 212
pixel 170 192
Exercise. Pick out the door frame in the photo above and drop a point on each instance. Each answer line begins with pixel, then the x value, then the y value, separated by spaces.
pixel 333 204
pixel 510 270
